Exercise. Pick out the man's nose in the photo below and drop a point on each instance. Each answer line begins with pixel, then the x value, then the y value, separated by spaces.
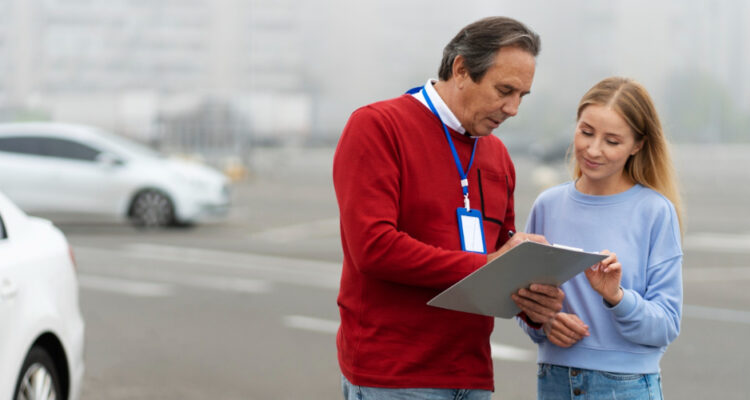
pixel 510 107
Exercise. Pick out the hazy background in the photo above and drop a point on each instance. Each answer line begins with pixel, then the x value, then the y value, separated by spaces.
pixel 246 308
pixel 220 77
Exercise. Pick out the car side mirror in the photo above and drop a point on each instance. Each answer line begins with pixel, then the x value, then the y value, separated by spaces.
pixel 109 159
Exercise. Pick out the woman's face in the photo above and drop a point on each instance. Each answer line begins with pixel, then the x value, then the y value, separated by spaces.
pixel 603 143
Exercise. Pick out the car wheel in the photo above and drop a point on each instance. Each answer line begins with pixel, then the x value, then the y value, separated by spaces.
pixel 38 379
pixel 152 209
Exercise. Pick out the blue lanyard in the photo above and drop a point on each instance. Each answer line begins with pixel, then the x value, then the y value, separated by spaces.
pixel 464 175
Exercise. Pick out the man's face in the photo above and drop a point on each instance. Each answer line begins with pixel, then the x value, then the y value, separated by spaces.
pixel 484 105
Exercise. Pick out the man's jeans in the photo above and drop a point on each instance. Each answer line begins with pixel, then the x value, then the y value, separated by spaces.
pixel 557 383
pixel 353 392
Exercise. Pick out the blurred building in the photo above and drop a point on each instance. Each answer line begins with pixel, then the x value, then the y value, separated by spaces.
pixel 125 64
pixel 289 70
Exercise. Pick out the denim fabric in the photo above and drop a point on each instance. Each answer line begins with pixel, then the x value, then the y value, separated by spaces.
pixel 557 383
pixel 354 392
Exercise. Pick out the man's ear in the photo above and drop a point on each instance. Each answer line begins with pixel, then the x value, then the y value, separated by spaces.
pixel 460 73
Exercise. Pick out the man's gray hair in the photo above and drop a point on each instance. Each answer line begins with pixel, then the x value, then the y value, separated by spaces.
pixel 478 43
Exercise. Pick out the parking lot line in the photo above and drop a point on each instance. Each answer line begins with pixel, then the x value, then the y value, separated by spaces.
pixel 511 353
pixel 166 277
pixel 718 242
pixel 499 351
pixel 716 274
pixel 311 324
pixel 123 286
pixel 276 269
pixel 297 232
pixel 716 314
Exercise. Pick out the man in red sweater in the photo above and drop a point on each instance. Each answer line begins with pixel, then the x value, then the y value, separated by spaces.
pixel 415 177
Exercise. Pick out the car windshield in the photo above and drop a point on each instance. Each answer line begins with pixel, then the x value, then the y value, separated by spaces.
pixel 129 146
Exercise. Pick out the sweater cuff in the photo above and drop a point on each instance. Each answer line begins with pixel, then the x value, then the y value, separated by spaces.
pixel 481 260
pixel 528 320
pixel 477 261
pixel 625 306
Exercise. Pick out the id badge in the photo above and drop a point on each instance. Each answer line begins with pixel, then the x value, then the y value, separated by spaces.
pixel 471 230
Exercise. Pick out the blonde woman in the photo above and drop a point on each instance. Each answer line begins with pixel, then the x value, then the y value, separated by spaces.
pixel 619 316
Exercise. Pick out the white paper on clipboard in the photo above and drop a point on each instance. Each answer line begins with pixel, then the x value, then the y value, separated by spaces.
pixel 487 290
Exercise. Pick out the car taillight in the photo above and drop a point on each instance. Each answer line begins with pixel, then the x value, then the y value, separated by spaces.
pixel 72 257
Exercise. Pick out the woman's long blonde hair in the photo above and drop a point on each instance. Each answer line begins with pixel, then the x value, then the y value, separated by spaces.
pixel 652 165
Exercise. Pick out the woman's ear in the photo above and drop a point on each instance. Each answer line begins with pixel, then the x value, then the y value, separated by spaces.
pixel 638 146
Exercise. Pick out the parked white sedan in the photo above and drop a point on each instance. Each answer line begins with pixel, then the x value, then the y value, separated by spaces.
pixel 41 328
pixel 65 168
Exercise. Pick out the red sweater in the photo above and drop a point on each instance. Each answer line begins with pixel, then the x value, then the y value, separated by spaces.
pixel 398 190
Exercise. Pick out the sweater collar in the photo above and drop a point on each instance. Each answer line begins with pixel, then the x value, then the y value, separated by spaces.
pixel 603 200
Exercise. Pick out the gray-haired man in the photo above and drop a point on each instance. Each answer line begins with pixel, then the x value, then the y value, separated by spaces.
pixel 425 195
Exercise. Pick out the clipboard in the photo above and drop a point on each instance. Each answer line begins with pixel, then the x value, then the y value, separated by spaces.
pixel 487 290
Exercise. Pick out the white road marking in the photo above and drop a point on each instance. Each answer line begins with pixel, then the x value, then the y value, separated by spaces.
pixel 499 351
pixel 311 324
pixel 511 353
pixel 716 274
pixel 280 269
pixel 716 314
pixel 293 233
pixel 123 286
pixel 318 274
pixel 201 281
pixel 224 283
pixel 718 242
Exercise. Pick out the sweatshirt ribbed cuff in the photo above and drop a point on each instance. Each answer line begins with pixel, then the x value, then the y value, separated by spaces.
pixel 625 306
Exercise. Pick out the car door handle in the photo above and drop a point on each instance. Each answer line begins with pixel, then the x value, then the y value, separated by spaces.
pixel 8 290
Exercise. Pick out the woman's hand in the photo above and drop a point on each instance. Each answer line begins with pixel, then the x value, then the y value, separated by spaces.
pixel 605 277
pixel 565 330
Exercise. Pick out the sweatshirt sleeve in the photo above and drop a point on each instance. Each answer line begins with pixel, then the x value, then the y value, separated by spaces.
pixel 366 177
pixel 653 319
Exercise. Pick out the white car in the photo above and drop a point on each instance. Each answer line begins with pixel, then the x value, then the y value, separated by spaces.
pixel 76 169
pixel 41 328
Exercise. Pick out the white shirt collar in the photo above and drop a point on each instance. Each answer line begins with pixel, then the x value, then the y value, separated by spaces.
pixel 445 113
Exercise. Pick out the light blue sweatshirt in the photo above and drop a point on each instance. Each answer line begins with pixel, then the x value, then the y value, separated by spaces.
pixel 641 227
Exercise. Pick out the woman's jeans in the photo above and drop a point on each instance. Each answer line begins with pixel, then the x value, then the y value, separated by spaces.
pixel 556 383
pixel 354 392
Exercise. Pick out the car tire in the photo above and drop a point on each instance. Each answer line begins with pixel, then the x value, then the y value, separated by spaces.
pixel 152 208
pixel 38 376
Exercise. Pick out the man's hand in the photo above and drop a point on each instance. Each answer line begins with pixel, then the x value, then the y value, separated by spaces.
pixel 565 330
pixel 517 239
pixel 539 302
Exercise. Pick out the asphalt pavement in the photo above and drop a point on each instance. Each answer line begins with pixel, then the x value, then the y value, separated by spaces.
pixel 246 308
